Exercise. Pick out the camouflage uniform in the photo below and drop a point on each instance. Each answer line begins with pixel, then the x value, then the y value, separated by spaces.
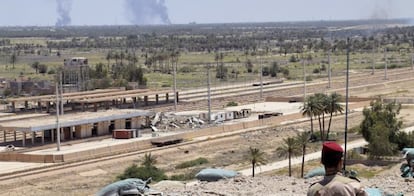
pixel 336 185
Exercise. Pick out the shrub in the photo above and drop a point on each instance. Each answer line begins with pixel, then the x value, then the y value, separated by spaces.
pixel 144 173
pixel 232 103
pixel 186 176
pixel 192 163
pixel 186 69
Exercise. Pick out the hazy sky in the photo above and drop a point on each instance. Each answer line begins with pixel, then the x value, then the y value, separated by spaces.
pixel 110 12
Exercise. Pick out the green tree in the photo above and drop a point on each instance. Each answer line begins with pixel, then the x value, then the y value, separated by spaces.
pixel 288 149
pixel 381 128
pixel 13 59
pixel 302 141
pixel 249 66
pixel 42 68
pixel 334 106
pixel 320 112
pixel 147 170
pixel 379 144
pixel 274 69
pixel 35 66
pixel 108 58
pixel 309 108
pixel 149 160
pixel 380 112
pixel 256 157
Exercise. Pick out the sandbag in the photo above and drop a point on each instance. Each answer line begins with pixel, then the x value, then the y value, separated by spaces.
pixel 211 174
pixel 125 187
pixel 373 192
pixel 320 171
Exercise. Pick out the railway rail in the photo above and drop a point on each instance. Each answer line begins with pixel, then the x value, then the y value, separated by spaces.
pixel 357 80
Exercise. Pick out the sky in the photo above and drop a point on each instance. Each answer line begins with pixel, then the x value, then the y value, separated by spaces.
pixel 124 12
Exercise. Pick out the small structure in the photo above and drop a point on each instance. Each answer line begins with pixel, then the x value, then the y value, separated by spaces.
pixel 165 141
pixel 126 133
pixel 75 74
pixel 229 115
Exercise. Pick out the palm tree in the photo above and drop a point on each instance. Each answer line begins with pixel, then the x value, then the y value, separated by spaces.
pixel 116 57
pixel 320 111
pixel 302 140
pixel 35 65
pixel 13 59
pixel 149 160
pixel 288 149
pixel 108 58
pixel 122 56
pixel 257 158
pixel 309 108
pixel 333 107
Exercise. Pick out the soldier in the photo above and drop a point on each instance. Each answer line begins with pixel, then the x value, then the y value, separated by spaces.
pixel 333 182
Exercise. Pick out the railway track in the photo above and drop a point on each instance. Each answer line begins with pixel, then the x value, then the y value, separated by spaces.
pixel 250 94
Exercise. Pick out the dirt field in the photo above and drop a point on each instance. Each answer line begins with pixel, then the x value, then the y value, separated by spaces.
pixel 228 153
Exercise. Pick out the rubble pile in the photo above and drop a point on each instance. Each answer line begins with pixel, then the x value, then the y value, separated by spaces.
pixel 276 185
pixel 407 169
pixel 171 122
pixel 192 120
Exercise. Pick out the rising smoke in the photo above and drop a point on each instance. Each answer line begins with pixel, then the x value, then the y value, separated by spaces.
pixel 382 9
pixel 63 9
pixel 145 12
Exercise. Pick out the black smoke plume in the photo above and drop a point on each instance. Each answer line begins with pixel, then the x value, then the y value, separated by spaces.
pixel 63 9
pixel 145 12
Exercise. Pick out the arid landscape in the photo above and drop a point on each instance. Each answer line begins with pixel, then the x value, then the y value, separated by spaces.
pixel 226 153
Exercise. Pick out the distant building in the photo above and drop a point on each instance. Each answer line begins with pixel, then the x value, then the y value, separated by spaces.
pixel 29 87
pixel 75 74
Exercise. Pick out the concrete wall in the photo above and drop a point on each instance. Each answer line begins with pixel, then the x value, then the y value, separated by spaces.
pixel 31 158
pixel 83 131
pixel 136 122
pixel 146 144
pixel 103 128
pixel 119 124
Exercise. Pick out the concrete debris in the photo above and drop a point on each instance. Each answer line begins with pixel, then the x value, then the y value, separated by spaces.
pixel 169 121
pixel 156 119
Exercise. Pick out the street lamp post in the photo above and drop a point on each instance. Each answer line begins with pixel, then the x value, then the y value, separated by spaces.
pixel 208 94
pixel 346 102
pixel 57 105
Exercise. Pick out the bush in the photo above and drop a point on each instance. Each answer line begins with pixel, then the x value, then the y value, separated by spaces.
pixel 143 173
pixel 192 163
pixel 285 71
pixel 185 177
pixel 51 72
pixel 186 69
pixel 43 68
pixel 293 59
pixel 232 103
pixel 165 85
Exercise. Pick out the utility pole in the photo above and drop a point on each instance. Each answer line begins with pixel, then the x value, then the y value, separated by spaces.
pixel 386 64
pixel 57 115
pixel 346 101
pixel 261 78
pixel 304 78
pixel 175 85
pixel 61 92
pixel 329 68
pixel 373 59
pixel 208 94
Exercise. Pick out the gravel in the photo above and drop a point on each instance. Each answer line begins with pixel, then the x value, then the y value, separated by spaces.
pixel 390 182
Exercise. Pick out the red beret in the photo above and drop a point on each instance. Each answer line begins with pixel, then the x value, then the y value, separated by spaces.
pixel 331 147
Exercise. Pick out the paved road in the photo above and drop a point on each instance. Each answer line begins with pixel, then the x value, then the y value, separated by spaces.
pixel 297 160
pixel 308 157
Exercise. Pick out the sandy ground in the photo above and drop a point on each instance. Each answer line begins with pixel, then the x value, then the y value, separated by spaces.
pixel 227 153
